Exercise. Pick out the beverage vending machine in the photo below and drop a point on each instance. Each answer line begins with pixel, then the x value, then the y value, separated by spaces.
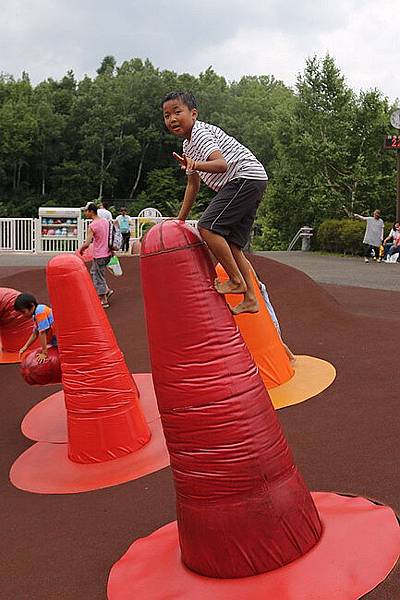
pixel 60 229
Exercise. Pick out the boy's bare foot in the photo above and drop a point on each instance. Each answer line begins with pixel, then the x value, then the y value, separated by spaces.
pixel 247 306
pixel 229 287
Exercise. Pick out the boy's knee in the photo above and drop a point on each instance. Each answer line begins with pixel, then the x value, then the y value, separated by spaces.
pixel 202 231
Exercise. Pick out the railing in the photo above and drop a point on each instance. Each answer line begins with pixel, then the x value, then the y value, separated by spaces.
pixel 24 235
pixel 305 234
pixel 17 235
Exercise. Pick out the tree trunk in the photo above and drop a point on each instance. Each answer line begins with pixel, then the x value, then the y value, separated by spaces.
pixel 43 179
pixel 101 172
pixel 19 169
pixel 139 171
pixel 15 175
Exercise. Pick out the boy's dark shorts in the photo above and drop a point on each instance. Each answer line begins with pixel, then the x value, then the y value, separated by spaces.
pixel 232 211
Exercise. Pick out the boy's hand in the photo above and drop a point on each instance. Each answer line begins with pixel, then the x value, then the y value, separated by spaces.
pixel 22 350
pixel 187 164
pixel 42 357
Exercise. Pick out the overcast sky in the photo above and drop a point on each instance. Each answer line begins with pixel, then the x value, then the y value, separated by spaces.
pixel 46 38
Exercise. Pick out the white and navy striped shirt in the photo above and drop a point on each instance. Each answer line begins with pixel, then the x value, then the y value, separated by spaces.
pixel 205 139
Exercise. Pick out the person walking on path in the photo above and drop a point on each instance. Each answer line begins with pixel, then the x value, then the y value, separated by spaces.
pixel 98 233
pixel 124 223
pixel 373 234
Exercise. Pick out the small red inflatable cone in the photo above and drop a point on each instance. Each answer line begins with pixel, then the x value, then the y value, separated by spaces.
pixel 103 414
pixel 107 431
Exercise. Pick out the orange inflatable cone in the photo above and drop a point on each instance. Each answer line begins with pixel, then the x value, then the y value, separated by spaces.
pixel 15 328
pixel 261 338
pixel 286 384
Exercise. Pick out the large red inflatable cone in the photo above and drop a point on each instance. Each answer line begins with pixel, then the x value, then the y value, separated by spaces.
pixel 104 418
pixel 15 328
pixel 242 506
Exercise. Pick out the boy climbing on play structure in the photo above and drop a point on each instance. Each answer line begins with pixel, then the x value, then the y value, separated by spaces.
pixel 231 170
pixel 42 317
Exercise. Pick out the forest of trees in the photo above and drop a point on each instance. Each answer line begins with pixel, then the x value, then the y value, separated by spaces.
pixel 65 142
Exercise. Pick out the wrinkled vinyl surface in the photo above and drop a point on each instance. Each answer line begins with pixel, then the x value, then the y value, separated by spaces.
pixel 261 338
pixel 242 507
pixel 15 328
pixel 46 373
pixel 104 417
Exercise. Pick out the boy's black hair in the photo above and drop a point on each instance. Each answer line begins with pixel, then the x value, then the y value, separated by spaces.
pixel 25 300
pixel 104 204
pixel 186 98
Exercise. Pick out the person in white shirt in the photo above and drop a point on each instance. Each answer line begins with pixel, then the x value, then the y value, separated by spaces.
pixel 103 211
pixel 373 234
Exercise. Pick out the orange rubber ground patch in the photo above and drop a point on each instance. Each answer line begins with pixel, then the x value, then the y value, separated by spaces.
pixel 311 376
pixel 47 420
pixel 9 358
pixel 359 547
pixel 46 469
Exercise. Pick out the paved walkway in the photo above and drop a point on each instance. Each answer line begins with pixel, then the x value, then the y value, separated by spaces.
pixel 341 270
pixel 322 268
pixel 19 259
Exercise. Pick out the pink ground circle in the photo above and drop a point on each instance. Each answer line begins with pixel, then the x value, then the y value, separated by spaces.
pixel 359 547
pixel 45 468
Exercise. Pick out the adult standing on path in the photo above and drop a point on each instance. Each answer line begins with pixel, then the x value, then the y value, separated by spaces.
pixel 98 234
pixel 103 211
pixel 373 234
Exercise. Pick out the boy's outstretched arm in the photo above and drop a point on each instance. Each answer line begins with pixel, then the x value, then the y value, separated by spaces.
pixel 215 163
pixel 28 343
pixel 192 188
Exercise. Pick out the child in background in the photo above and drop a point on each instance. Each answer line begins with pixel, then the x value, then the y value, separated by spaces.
pixel 272 313
pixel 42 317
pixel 124 222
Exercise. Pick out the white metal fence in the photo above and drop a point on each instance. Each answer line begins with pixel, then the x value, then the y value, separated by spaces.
pixel 24 235
pixel 18 235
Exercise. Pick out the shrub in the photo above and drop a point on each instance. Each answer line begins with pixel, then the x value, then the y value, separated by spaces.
pixel 344 236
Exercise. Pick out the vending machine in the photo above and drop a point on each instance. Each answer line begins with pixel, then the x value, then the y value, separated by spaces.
pixel 60 229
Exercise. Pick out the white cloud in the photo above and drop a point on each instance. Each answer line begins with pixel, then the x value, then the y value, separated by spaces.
pixel 49 37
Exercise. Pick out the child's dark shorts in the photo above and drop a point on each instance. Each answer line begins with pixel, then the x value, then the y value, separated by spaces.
pixel 232 211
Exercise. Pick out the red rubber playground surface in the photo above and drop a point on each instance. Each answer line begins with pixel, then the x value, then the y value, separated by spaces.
pixel 62 547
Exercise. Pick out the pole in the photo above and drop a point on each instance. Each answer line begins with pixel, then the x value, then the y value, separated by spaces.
pixel 398 187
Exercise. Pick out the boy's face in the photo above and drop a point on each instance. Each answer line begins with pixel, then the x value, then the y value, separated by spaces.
pixel 28 312
pixel 179 118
